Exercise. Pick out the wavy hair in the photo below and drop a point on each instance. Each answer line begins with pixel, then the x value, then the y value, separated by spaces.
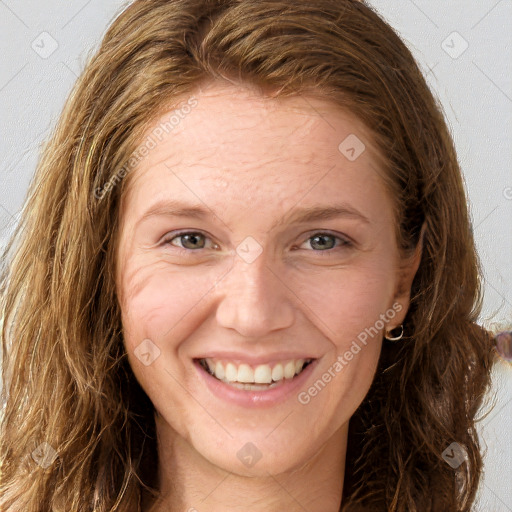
pixel 67 381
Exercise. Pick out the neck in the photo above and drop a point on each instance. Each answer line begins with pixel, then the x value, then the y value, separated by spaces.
pixel 189 482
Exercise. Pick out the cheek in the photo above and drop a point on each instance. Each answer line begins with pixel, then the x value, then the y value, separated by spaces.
pixel 345 302
pixel 340 302
pixel 347 307
pixel 161 305
pixel 159 298
pixel 350 306
pixel 341 386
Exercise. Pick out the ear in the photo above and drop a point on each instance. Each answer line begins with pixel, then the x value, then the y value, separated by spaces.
pixel 405 276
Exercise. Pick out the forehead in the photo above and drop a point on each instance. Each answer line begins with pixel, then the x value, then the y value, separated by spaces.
pixel 227 113
pixel 239 142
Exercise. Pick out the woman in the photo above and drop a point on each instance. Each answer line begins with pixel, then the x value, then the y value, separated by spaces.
pixel 245 276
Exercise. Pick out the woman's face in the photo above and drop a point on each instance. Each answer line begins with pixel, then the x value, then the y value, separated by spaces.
pixel 257 237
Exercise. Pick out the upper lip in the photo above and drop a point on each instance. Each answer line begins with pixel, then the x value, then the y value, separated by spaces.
pixel 253 360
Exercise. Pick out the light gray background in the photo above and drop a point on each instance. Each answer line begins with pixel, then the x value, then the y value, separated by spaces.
pixel 464 48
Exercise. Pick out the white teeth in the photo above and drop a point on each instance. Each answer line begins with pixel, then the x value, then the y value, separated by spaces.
pixel 231 372
pixel 289 370
pixel 219 371
pixel 262 374
pixel 277 372
pixel 211 365
pixel 245 373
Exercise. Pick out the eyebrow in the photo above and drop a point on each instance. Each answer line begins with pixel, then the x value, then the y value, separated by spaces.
pixel 176 208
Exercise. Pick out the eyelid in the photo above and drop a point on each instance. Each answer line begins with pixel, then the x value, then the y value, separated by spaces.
pixel 345 240
pixel 168 237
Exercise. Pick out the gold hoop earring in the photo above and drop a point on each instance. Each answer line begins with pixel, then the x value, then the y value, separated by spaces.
pixel 388 336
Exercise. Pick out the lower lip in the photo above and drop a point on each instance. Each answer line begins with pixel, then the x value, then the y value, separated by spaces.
pixel 264 398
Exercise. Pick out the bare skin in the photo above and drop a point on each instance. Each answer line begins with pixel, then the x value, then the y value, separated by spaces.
pixel 251 162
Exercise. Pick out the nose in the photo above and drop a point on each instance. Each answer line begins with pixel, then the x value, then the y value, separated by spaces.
pixel 254 300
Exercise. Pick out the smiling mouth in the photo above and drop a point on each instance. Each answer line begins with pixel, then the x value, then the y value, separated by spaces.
pixel 254 378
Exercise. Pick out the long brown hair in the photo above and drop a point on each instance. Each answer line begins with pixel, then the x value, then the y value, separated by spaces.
pixel 67 382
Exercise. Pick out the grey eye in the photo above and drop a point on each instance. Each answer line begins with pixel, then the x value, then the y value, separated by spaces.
pixel 323 242
pixel 192 240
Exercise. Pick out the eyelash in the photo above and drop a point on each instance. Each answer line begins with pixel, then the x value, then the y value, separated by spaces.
pixel 344 242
